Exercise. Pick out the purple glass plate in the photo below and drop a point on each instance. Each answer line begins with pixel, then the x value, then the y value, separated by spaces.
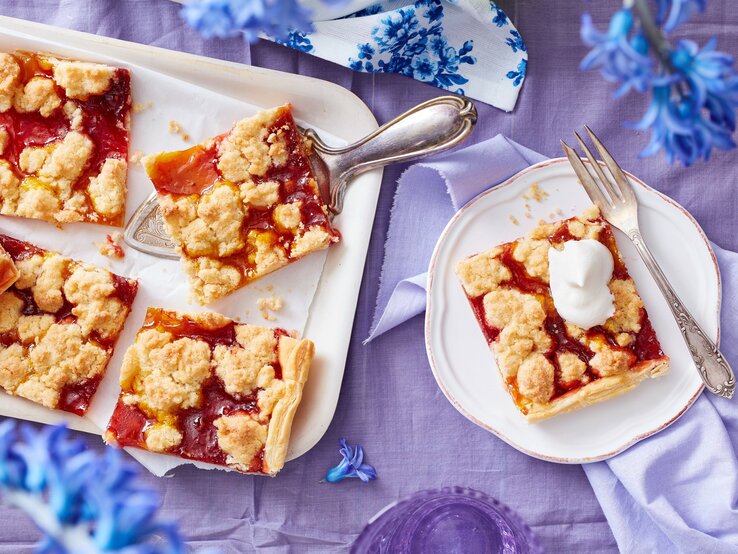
pixel 451 520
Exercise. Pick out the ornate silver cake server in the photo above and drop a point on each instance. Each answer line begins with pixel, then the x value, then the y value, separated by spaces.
pixel 617 202
pixel 428 128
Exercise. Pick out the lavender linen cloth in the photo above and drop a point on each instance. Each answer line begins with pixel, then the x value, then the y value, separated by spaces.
pixel 427 196
pixel 389 399
pixel 675 492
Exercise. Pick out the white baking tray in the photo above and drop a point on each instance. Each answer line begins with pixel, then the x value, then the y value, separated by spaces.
pixel 342 116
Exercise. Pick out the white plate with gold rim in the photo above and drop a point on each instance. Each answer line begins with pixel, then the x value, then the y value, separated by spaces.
pixel 465 368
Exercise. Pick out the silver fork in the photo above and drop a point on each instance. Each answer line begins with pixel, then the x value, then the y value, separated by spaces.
pixel 617 202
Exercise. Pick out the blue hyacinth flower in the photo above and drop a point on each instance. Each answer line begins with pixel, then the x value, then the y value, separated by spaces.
pixel 672 13
pixel 694 91
pixel 619 57
pixel 351 466
pixel 83 502
pixel 229 18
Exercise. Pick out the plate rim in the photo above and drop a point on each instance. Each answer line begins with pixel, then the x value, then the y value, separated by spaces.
pixel 429 305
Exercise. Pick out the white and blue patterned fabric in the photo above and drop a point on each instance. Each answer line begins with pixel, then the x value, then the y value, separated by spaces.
pixel 469 47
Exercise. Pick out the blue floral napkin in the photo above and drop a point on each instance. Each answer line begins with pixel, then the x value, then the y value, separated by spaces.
pixel 469 47
pixel 675 492
pixel 466 46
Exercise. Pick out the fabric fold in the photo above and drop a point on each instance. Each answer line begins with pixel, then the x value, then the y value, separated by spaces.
pixel 427 196
pixel 678 492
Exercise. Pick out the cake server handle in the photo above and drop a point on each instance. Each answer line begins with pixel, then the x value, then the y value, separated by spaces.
pixel 426 129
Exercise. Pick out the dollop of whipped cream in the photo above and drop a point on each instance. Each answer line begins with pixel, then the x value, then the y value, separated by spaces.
pixel 579 275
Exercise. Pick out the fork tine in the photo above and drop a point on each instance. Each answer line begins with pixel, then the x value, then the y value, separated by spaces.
pixel 626 191
pixel 605 183
pixel 588 182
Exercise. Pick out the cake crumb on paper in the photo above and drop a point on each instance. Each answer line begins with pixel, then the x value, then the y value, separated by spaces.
pixel 555 214
pixel 141 106
pixel 135 157
pixel 268 305
pixel 111 247
pixel 176 129
pixel 535 192
pixel 514 219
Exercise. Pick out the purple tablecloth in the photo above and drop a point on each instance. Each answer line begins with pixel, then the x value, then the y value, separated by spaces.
pixel 389 400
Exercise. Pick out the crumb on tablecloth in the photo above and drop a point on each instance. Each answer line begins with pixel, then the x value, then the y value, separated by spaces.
pixel 514 219
pixel 269 305
pixel 111 247
pixel 176 129
pixel 141 106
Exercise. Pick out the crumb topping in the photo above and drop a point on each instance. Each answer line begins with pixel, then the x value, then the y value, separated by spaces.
pixel 38 95
pixel 11 308
pixel 241 437
pixel 108 190
pixel 607 360
pixel 533 254
pixel 628 306
pixel 536 378
pixel 211 279
pixel 80 80
pixel 162 437
pixel 572 367
pixel 9 80
pixel 482 273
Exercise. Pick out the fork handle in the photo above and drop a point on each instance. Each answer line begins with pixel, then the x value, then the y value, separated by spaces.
pixel 714 369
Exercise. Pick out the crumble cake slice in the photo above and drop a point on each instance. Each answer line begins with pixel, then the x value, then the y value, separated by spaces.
pixel 64 132
pixel 58 326
pixel 202 387
pixel 551 366
pixel 242 204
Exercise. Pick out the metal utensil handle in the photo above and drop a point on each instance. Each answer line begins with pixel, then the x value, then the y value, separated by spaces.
pixel 428 128
pixel 714 369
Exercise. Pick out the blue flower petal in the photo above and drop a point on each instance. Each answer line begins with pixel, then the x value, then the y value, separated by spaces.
pixel 351 465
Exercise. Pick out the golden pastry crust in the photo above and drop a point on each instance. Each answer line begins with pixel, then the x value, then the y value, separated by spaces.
pixel 181 364
pixel 58 324
pixel 74 166
pixel 549 365
pixel 241 205
pixel 599 390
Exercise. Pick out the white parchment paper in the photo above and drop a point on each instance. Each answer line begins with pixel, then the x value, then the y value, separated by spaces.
pixel 200 113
